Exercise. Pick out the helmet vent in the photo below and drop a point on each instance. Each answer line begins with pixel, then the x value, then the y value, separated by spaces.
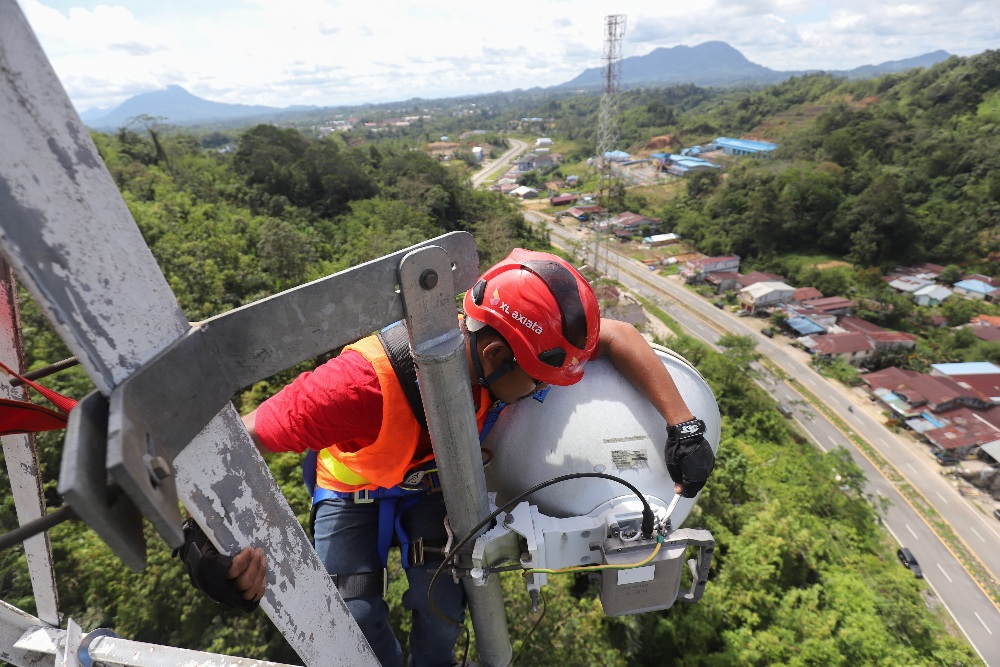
pixel 554 357
pixel 564 288
pixel 478 292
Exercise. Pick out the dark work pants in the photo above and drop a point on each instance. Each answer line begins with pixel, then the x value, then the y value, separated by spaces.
pixel 346 538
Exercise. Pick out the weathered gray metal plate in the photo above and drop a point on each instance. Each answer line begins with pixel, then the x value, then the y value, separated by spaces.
pixel 82 483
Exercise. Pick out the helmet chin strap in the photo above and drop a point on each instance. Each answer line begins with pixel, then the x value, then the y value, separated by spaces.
pixel 477 365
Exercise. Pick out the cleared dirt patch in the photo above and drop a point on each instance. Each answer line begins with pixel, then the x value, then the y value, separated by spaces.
pixel 831 265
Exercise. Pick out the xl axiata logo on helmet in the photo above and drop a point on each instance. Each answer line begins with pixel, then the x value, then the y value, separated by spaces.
pixel 502 306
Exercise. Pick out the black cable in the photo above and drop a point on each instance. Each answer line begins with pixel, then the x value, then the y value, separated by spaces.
pixel 44 372
pixel 647 520
pixel 40 525
pixel 531 632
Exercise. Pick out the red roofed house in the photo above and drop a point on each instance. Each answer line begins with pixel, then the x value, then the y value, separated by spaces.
pixel 892 340
pixel 964 430
pixel 584 212
pixel 854 348
pixel 804 293
pixel 562 200
pixel 986 327
pixel 859 325
pixel 937 393
pixel 694 270
pixel 835 305
pixel 723 281
pixel 755 277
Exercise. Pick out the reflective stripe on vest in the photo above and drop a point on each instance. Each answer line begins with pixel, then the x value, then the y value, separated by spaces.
pixel 383 463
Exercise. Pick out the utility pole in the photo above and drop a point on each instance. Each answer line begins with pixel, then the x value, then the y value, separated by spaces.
pixel 607 118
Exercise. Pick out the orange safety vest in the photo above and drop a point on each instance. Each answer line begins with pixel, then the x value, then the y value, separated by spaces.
pixel 385 462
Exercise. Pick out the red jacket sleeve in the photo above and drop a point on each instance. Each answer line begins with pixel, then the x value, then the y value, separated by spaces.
pixel 341 401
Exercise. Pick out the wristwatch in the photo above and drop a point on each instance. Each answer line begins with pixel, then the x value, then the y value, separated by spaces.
pixel 692 428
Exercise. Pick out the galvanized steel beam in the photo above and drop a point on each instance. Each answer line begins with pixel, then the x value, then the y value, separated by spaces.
pixel 21 456
pixel 438 347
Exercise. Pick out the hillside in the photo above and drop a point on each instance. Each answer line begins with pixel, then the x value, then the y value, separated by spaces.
pixel 898 168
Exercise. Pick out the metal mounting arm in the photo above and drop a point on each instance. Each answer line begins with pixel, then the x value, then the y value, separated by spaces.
pixel 154 413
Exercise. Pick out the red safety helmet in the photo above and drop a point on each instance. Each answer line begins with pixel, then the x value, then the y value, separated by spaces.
pixel 545 310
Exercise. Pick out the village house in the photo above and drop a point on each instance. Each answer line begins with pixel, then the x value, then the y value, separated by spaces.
pixel 834 305
pixel 854 348
pixel 931 295
pixel 563 200
pixel 723 281
pixel 950 416
pixel 695 269
pixel 765 295
pixel 755 277
pixel 633 222
pixel 981 376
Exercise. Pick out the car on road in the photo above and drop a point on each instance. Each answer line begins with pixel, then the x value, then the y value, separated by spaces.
pixel 767 332
pixel 996 513
pixel 785 411
pixel 718 304
pixel 907 558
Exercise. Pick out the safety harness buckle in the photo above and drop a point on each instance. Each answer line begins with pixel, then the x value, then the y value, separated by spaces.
pixel 424 479
pixel 364 496
pixel 417 552
pixel 422 551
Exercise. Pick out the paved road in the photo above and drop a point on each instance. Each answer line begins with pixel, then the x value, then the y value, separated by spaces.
pixel 975 614
pixel 517 147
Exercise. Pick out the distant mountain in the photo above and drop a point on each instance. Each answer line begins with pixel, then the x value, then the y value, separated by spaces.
pixel 173 105
pixel 891 66
pixel 719 64
pixel 708 64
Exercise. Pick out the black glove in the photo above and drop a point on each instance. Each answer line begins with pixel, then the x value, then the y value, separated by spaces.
pixel 689 457
pixel 207 569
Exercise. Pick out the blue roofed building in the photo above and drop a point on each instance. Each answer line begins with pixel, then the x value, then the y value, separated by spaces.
pixel 744 146
pixel 803 326
pixel 973 289
pixel 682 165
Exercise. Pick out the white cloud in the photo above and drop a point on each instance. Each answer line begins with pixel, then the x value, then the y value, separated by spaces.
pixel 329 52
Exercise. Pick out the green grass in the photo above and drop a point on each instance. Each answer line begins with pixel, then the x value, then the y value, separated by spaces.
pixel 990 107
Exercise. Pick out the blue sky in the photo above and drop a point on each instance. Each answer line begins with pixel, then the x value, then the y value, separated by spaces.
pixel 331 52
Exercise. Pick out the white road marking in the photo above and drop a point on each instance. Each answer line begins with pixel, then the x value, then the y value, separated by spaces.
pixel 943 499
pixel 911 466
pixel 976 534
pixel 983 622
pixel 884 443
pixel 915 536
pixel 950 581
pixel 830 437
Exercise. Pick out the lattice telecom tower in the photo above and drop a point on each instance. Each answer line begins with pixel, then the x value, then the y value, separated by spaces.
pixel 607 130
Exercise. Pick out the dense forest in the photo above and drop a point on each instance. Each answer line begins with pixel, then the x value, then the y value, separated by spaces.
pixel 895 169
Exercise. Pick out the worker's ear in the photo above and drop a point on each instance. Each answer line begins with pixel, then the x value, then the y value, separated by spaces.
pixel 495 353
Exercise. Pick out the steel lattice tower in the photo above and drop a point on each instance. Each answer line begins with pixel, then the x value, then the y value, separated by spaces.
pixel 607 118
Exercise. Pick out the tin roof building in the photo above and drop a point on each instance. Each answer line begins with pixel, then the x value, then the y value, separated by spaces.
pixel 744 146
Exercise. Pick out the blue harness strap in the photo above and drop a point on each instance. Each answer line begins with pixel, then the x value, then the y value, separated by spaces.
pixel 394 502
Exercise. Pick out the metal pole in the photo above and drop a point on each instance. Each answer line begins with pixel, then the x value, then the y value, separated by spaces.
pixel 442 367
